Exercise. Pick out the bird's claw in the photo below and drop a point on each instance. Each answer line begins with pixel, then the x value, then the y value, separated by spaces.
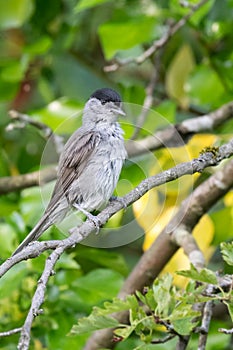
pixel 96 221
pixel 118 199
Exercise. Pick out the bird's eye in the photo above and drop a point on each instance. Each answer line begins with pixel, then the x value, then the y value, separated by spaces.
pixel 103 102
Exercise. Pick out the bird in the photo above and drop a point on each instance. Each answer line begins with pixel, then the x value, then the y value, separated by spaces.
pixel 89 165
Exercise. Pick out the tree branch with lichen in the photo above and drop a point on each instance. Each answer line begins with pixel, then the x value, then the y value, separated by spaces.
pixel 167 241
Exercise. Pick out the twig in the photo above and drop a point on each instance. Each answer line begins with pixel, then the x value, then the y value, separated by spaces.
pixel 48 133
pixel 11 332
pixel 157 44
pixel 38 298
pixel 184 239
pixel 207 315
pixel 163 340
pixel 175 136
pixel 182 343
pixel 226 331
pixel 19 182
pixel 148 101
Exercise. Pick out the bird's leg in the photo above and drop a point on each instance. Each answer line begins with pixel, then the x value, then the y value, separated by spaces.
pixel 118 199
pixel 91 217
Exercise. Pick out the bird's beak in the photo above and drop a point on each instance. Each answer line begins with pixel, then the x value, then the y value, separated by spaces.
pixel 119 110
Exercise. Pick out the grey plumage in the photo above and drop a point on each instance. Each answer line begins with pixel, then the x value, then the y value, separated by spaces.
pixel 90 164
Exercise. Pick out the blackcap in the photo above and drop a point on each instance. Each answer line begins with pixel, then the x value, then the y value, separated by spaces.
pixel 89 165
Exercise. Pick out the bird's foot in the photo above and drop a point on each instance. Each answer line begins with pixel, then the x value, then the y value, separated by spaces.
pixel 90 217
pixel 118 199
pixel 95 220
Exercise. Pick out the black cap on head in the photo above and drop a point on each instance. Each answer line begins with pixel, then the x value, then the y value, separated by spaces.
pixel 106 95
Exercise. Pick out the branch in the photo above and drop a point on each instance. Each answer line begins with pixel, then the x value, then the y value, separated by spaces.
pixel 177 135
pixel 206 318
pixel 170 137
pixel 188 168
pixel 157 44
pixel 149 271
pixel 226 331
pixel 11 332
pixel 148 101
pixel 156 257
pixel 38 298
pixel 182 342
pixel 163 340
pixel 14 183
pixel 24 120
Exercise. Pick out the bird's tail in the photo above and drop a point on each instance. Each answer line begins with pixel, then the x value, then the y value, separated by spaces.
pixel 35 233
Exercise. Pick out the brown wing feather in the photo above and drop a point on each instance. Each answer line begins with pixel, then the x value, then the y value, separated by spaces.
pixel 75 155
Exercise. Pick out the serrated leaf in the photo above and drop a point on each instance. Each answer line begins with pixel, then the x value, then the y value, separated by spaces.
pixel 184 325
pixel 93 323
pixel 118 305
pixel 124 332
pixel 182 319
pixel 100 319
pixel 148 299
pixel 205 275
pixel 227 252
pixel 162 294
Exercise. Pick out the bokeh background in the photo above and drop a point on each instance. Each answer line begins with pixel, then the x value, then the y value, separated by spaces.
pixel 53 55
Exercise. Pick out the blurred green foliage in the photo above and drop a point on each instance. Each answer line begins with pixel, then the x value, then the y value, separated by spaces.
pixel 52 55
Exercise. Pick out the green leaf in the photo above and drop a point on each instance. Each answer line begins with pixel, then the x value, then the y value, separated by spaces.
pixel 13 13
pixel 125 34
pixel 103 258
pixel 98 285
pixel 163 294
pixel 117 305
pixel 77 81
pixel 125 332
pixel 205 275
pixel 223 224
pixel 85 4
pixel 230 309
pixel 40 46
pixel 185 324
pixel 93 323
pixel 62 115
pixel 148 299
pixel 167 109
pixel 7 238
pixel 99 318
pixel 67 261
pixel 182 318
pixel 13 72
pixel 227 252
pixel 10 282
pixel 177 75
pixel 211 93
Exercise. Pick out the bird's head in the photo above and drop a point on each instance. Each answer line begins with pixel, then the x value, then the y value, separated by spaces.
pixel 103 106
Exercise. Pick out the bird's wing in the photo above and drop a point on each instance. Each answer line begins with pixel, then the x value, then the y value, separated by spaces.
pixel 74 157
